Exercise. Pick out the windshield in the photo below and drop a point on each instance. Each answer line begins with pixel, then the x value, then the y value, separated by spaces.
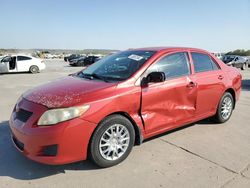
pixel 117 67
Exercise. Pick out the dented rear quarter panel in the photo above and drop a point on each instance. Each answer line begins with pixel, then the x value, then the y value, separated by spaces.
pixel 234 80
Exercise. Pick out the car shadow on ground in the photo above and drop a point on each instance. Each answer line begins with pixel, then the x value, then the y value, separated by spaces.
pixel 13 164
pixel 16 73
pixel 246 85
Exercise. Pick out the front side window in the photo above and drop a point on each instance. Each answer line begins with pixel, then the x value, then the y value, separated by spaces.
pixel 174 65
pixel 23 58
pixel 6 59
pixel 203 62
pixel 117 67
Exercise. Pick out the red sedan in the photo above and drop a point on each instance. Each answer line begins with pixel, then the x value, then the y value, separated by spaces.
pixel 119 101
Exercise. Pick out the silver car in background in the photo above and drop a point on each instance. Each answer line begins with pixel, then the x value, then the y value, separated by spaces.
pixel 235 61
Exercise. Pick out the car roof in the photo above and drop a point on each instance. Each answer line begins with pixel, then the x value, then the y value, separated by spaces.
pixel 20 55
pixel 168 48
pixel 23 55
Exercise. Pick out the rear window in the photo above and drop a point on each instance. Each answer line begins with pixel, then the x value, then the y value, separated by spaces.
pixel 203 62
pixel 23 58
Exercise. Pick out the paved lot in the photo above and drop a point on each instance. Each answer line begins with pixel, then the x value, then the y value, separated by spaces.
pixel 201 155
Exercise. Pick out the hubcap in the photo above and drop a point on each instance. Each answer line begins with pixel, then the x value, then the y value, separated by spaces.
pixel 114 142
pixel 226 108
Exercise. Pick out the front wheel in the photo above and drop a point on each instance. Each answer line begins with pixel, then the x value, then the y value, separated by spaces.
pixel 225 108
pixel 112 141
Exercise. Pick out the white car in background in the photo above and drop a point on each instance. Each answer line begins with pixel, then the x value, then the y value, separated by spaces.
pixel 21 63
pixel 218 55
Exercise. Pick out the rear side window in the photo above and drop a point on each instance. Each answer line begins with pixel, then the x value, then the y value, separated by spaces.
pixel 23 58
pixel 203 62
pixel 174 65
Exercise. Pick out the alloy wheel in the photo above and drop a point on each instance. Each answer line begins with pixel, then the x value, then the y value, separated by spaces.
pixel 114 142
pixel 226 108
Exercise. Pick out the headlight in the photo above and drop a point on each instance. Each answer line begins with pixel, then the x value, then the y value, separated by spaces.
pixel 54 116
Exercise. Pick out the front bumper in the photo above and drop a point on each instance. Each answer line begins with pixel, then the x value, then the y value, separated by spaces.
pixel 71 137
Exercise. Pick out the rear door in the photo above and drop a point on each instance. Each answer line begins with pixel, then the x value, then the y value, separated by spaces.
pixel 23 63
pixel 210 83
pixel 166 104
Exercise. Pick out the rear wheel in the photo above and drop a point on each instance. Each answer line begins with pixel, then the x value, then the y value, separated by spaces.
pixel 112 141
pixel 34 69
pixel 225 108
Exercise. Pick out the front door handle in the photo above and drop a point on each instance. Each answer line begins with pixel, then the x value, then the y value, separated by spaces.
pixel 220 77
pixel 191 84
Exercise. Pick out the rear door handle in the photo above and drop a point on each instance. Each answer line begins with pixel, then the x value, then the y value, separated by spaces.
pixel 191 84
pixel 220 77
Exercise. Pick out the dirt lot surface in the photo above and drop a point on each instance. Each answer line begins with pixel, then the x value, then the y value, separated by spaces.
pixel 200 155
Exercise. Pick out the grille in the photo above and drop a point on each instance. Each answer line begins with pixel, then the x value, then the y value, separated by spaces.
pixel 23 115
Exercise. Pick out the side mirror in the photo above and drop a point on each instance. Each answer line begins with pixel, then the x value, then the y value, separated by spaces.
pixel 153 77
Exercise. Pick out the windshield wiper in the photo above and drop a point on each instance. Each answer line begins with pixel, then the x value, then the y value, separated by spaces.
pixel 92 76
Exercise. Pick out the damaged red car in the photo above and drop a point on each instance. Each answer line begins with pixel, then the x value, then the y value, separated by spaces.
pixel 103 111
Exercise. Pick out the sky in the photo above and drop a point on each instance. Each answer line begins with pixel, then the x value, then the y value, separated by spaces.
pixel 214 25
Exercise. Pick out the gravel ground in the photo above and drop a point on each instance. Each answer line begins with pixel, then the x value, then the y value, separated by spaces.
pixel 201 155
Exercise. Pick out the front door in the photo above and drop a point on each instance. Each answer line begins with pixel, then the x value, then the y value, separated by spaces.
pixel 4 64
pixel 170 103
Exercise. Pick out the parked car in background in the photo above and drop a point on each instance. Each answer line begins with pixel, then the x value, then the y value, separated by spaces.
pixel 218 55
pixel 72 56
pixel 247 60
pixel 21 63
pixel 84 61
pixel 102 111
pixel 91 59
pixel 1 57
pixel 235 61
pixel 77 62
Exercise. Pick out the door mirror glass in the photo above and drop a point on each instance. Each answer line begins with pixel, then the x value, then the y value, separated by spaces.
pixel 153 77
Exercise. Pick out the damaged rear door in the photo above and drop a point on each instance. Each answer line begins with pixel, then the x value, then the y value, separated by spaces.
pixel 172 102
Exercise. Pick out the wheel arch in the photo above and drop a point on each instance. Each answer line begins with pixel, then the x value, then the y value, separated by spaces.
pixel 232 92
pixel 138 133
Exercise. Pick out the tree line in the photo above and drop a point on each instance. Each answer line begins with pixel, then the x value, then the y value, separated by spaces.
pixel 239 52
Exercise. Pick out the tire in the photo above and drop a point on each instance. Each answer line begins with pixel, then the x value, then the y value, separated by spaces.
pixel 34 69
pixel 227 103
pixel 243 66
pixel 112 141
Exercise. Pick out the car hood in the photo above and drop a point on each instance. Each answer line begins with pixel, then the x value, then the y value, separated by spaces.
pixel 65 92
